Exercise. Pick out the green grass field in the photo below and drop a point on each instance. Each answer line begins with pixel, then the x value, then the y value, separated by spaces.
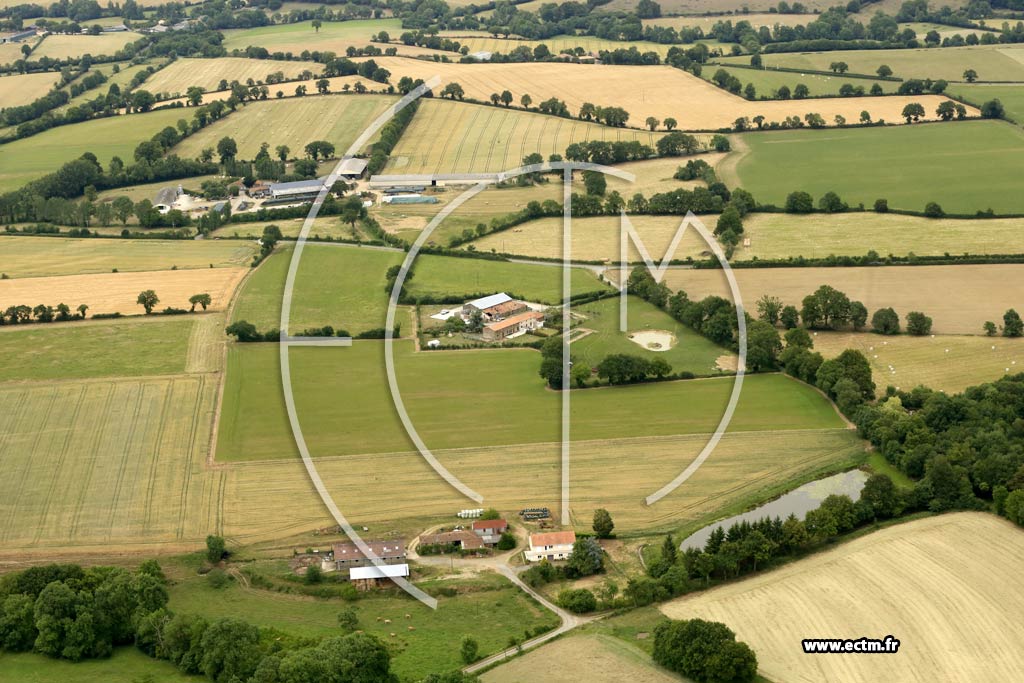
pixel 767 83
pixel 433 647
pixel 1012 97
pixel 59 46
pixel 344 286
pixel 965 167
pixel 94 349
pixel 488 43
pixel 691 351
pixel 40 257
pixel 333 35
pixel 454 137
pixel 778 235
pixel 127 665
pixel 499 388
pixel 991 62
pixel 294 122
pixel 26 159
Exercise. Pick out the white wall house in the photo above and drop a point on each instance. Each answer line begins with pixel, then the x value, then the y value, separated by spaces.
pixel 555 545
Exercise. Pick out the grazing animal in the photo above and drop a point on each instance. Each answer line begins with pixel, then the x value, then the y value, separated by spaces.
pixel 387 621
pixel 392 635
pixel 408 616
pixel 411 628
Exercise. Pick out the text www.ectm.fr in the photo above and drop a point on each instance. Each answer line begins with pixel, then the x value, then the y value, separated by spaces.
pixel 887 645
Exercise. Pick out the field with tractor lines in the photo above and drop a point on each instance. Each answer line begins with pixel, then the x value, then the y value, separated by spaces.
pixel 643 91
pixel 452 137
pixel 294 122
pixel 594 658
pixel 958 298
pixel 35 257
pixel 110 465
pixel 180 75
pixel 118 292
pixel 942 586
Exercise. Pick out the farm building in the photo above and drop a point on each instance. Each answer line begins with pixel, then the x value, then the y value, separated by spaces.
pixel 490 530
pixel 504 310
pixel 166 198
pixel 348 554
pixel 555 545
pixel 352 169
pixel 365 578
pixel 514 326
pixel 484 303
pixel 297 191
pixel 17 36
pixel 460 538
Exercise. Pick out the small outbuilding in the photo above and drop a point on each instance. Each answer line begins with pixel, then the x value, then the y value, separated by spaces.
pixel 366 578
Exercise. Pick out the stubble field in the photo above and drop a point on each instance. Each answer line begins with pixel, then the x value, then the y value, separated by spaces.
pixel 59 46
pixel 18 90
pixel 208 73
pixel 40 257
pixel 659 91
pixel 117 292
pixel 958 298
pixel 944 585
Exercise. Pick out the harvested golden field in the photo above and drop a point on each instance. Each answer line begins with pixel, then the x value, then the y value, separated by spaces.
pixel 779 235
pixel 756 19
pixel 454 137
pixel 659 91
pixel 294 122
pixel 18 90
pixel 949 363
pixel 949 588
pixel 179 76
pixel 597 238
pixel 958 298
pixel 49 256
pixel 117 292
pixel 266 499
pixel 60 46
pixel 111 465
pixel 595 658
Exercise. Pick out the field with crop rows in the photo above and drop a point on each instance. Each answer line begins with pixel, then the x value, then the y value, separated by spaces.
pixel 958 298
pixel 767 82
pixel 294 122
pixel 594 658
pixel 942 585
pixel 179 76
pixel 965 166
pixel 450 137
pixel 658 91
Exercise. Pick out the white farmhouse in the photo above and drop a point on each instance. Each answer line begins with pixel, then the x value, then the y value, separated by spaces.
pixel 555 545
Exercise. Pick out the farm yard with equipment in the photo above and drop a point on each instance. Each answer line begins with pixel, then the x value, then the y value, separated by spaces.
pixel 302 384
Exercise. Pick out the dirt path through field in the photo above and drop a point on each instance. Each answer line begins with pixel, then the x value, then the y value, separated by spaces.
pixel 726 168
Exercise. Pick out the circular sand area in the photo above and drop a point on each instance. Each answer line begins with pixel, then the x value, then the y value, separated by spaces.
pixel 654 340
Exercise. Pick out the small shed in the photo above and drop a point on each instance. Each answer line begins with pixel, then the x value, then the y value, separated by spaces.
pixel 365 578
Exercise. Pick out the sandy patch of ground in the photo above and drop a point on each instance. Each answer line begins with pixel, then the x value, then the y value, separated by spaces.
pixel 653 340
pixel 728 362
pixel 117 292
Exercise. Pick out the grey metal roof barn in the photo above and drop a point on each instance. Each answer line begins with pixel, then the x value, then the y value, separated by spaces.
pixel 298 188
